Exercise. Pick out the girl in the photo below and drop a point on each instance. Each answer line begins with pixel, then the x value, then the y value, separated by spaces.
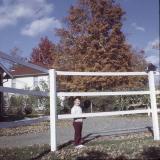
pixel 77 122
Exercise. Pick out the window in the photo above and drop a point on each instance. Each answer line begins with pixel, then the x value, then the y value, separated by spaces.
pixel 35 81
pixel 13 83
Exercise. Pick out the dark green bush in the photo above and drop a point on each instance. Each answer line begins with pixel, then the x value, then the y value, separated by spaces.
pixel 28 110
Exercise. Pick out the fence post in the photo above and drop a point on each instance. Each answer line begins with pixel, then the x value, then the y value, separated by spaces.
pixel 53 115
pixel 153 105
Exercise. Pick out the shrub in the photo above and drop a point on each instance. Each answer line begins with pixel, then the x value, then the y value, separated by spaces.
pixel 28 110
pixel 16 105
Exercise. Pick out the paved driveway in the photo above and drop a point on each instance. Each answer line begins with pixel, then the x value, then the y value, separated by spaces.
pixel 92 127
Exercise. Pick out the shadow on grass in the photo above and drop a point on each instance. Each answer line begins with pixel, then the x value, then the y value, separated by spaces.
pixel 97 155
pixel 85 140
pixel 42 154
pixel 147 154
pixel 150 130
pixel 151 153
pixel 91 136
pixel 65 144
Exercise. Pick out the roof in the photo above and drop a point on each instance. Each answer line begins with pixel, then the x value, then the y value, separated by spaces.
pixel 8 74
pixel 23 71
pixel 22 62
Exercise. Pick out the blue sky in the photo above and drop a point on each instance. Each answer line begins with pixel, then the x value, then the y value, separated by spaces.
pixel 24 22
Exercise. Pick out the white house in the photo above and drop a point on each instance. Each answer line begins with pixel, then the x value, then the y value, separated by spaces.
pixel 4 75
pixel 27 78
pixel 24 77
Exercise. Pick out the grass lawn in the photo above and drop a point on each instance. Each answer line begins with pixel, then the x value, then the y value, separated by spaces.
pixel 33 128
pixel 133 146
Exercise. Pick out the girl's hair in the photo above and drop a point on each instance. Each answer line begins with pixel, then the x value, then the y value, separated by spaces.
pixel 76 98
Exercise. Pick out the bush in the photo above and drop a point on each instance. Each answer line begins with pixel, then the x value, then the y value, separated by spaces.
pixel 16 105
pixel 28 110
pixel 110 103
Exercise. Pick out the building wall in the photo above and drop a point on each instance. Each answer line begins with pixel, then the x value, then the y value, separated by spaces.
pixel 25 82
pixel 29 82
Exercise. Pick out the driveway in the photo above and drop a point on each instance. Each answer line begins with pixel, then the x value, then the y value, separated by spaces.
pixel 91 128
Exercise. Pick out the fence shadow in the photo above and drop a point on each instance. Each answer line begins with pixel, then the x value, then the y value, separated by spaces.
pixel 148 153
pixel 41 155
pixel 65 144
pixel 151 153
pixel 91 136
pixel 97 155
pixel 95 135
pixel 150 129
pixel 71 142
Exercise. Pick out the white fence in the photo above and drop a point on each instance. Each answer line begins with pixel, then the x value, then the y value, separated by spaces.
pixel 53 94
pixel 152 92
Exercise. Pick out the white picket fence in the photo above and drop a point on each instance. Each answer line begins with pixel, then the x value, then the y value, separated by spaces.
pixel 53 95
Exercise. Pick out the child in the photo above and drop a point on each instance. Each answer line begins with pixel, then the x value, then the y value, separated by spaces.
pixel 77 122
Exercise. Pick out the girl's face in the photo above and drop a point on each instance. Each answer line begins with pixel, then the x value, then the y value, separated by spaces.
pixel 77 102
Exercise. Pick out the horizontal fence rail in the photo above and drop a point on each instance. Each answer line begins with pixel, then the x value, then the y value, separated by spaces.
pixel 65 73
pixel 99 114
pixel 22 91
pixel 68 94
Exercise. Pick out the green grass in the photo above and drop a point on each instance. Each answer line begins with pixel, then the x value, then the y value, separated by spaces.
pixel 103 148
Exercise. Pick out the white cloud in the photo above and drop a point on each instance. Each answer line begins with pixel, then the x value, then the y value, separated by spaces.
pixel 136 27
pixel 151 44
pixel 153 54
pixel 40 25
pixel 153 59
pixel 13 10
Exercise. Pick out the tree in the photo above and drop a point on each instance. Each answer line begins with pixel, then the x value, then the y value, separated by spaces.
pixel 93 41
pixel 16 52
pixel 45 53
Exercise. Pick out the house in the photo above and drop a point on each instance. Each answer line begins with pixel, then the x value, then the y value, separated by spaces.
pixel 25 78
pixel 28 78
pixel 4 76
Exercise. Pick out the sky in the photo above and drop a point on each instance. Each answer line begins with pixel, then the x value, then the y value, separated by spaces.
pixel 24 22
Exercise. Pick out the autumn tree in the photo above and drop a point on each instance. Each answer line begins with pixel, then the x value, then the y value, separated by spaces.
pixel 93 41
pixel 45 53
